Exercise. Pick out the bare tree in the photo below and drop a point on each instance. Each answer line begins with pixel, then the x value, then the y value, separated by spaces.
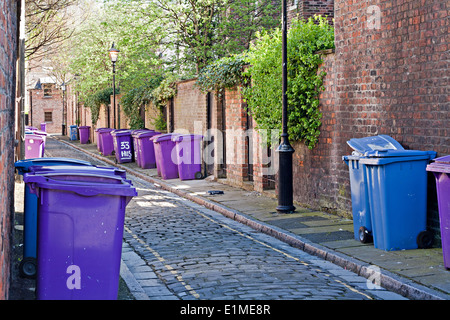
pixel 48 23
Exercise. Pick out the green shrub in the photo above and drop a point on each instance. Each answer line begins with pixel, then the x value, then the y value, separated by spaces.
pixel 305 81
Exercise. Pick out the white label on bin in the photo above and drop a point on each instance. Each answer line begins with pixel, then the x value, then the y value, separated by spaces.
pixel 74 280
pixel 124 145
pixel 125 154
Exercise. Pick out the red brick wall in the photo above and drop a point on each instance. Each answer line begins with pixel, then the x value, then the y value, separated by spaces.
pixel 309 8
pixel 245 146
pixel 394 80
pixel 189 106
pixel 236 148
pixel 8 56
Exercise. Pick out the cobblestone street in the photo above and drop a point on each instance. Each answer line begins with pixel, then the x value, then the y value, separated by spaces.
pixel 200 255
pixel 183 251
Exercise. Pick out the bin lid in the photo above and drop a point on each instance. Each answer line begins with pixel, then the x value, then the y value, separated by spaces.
pixel 23 166
pixel 145 134
pixel 101 130
pixel 374 143
pixel 441 164
pixel 84 127
pixel 85 184
pixel 186 137
pixel 38 132
pixel 140 130
pixel 34 136
pixel 400 153
pixel 120 132
pixel 134 133
pixel 68 169
pixel 378 161
pixel 442 160
pixel 164 137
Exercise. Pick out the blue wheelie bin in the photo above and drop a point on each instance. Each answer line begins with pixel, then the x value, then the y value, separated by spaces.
pixel 73 132
pixel 397 181
pixel 27 266
pixel 362 224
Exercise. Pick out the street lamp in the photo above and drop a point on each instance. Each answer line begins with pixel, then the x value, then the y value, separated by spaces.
pixel 285 150
pixel 113 54
pixel 63 88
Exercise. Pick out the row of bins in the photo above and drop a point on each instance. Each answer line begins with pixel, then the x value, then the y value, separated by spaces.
pixel 174 155
pixel 73 227
pixel 389 194
pixel 83 133
pixel 35 142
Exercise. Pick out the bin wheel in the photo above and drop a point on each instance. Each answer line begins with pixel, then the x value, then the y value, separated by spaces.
pixel 364 235
pixel 27 268
pixel 425 239
pixel 198 175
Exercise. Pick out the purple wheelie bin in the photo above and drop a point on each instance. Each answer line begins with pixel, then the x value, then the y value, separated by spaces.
pixel 144 149
pixel 34 146
pixel 39 133
pixel 123 146
pixel 134 134
pixel 165 155
pixel 189 154
pixel 441 171
pixel 80 230
pixel 105 141
pixel 85 133
pixel 99 142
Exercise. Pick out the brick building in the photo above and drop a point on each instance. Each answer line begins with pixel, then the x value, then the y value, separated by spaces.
pixel 46 105
pixel 9 20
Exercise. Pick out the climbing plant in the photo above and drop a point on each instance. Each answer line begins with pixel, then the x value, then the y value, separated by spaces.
pixel 158 91
pixel 135 99
pixel 305 80
pixel 224 73
pixel 94 100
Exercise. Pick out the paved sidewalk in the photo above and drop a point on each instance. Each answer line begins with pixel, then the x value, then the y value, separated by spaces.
pixel 415 274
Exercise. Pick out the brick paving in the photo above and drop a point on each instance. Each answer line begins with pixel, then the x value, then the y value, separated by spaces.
pixel 176 249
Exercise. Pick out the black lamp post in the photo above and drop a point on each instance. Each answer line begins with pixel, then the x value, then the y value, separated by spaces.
pixel 113 53
pixel 63 119
pixel 285 150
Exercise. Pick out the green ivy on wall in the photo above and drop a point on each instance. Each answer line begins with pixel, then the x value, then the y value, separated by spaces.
pixel 95 100
pixel 224 73
pixel 157 91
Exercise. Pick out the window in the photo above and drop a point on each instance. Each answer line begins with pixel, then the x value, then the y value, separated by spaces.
pixel 48 116
pixel 47 90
